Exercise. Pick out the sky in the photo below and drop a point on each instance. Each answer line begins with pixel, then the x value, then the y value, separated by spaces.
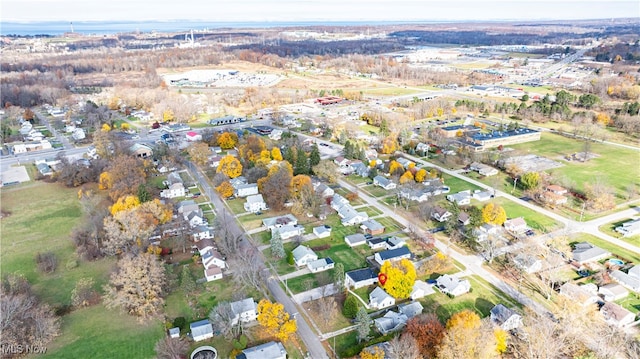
pixel 313 10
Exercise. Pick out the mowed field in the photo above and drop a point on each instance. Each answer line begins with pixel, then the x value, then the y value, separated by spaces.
pixel 615 166
pixel 41 218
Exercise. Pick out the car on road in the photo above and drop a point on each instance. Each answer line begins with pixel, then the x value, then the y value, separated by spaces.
pixel 324 144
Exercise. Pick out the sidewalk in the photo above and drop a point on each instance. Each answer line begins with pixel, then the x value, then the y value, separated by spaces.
pixel 297 273
pixel 315 293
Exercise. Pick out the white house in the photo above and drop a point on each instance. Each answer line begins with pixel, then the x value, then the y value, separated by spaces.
pixel 175 190
pixel 302 255
pixel 453 285
pixel 395 242
pixel 421 289
pixel 195 219
pixel 578 294
pixel 616 315
pixel 78 134
pixel 585 252
pixel 320 265
pixel 515 225
pixel 350 217
pixel 202 232
pixel 323 190
pixel 270 350
pixel 201 330
pixel 355 239
pixel 360 278
pixel 528 263
pixel 505 318
pixel 203 246
pixel 383 182
pixel 275 222
pixel 322 231
pixel 289 231
pixel 392 255
pixel 377 243
pixel 612 292
pixel 629 280
pixel 247 189
pixel 389 322
pixel 481 195
pixel 244 311
pixel 193 136
pixel 255 204
pixel 629 228
pixel 440 214
pixel 379 299
pixel 213 273
pixel 462 198
pixel 213 258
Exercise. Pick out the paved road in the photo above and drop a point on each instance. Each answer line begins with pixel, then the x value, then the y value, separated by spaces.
pixel 310 339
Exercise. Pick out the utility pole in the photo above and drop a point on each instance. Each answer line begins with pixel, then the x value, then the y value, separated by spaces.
pixel 582 212
pixel 515 180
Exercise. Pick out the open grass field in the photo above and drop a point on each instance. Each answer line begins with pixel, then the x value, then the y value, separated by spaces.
pixel 456 185
pixel 388 91
pixel 97 332
pixel 340 252
pixel 612 165
pixel 535 220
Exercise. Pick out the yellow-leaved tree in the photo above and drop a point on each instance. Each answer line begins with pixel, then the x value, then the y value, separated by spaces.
pixel 501 340
pixel 467 337
pixel 276 154
pixel 407 177
pixel 227 140
pixel 298 182
pixel 389 144
pixel 421 175
pixel 493 214
pixel 225 189
pixel 276 320
pixel 400 278
pixel 395 167
pixel 372 353
pixel 124 203
pixel 199 153
pixel 230 166
pixel 105 181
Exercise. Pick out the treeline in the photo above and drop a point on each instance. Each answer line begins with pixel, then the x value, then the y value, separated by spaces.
pixel 313 47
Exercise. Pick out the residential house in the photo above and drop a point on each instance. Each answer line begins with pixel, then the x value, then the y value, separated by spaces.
pixel 322 231
pixel 247 189
pixel 193 136
pixel 288 231
pixel 323 190
pixel 422 147
pixel 421 289
pixel 452 285
pixel 360 278
pixel 462 198
pixel 270 350
pixel 505 318
pixel 174 190
pixel 245 311
pixel 372 227
pixel 214 161
pixel 255 204
pixel 338 201
pixel 361 169
pixel 404 162
pixel 195 219
pixel 392 255
pixel 341 161
pixel 586 252
pixel 201 330
pixel 629 280
pixel 350 217
pixel 44 169
pixel 303 255
pixel 213 258
pixel 78 134
pixel 612 292
pixel 416 194
pixel 141 151
pixel 204 246
pixel 320 265
pixel 440 214
pixel 379 299
pixel 237 181
pixel 615 315
pixel 411 309
pixel 578 294
pixel 201 232
pixel 552 198
pixel 188 206
pixel 394 242
pixel 384 182
pixel 482 196
pixel 391 321
pixel 216 149
pixel 528 263
pixel 213 273
pixel 557 190
pixel 377 243
pixel 464 218
pixel 355 239
pixel 629 228
pixel 483 169
pixel 370 154
pixel 515 225
pixel 276 222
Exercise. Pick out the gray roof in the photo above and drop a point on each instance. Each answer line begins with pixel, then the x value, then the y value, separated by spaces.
pixel 201 327
pixel 264 351
pixel 372 225
pixel 320 263
pixel 382 180
pixel 626 280
pixel 501 314
pixel 390 321
pixel 243 306
pixel 585 251
pixel 410 309
pixel 256 198
pixel 302 251
pixel 354 239
pixel 280 220
pixel 379 295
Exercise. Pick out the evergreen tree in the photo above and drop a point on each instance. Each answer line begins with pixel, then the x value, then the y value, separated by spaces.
pixel 301 165
pixel 363 324
pixel 290 155
pixel 348 149
pixel 277 248
pixel 143 193
pixel 314 156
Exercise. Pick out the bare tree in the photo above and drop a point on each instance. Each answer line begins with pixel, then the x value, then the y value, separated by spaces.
pixel 404 347
pixel 171 348
pixel 228 242
pixel 328 306
pixel 222 318
pixel 248 268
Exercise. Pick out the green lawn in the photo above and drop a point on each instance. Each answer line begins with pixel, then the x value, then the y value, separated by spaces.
pixel 356 180
pixel 390 224
pixel 236 205
pixel 97 332
pixel 456 184
pixel 631 302
pixel 376 191
pixel 612 165
pixel 340 252
pixel 609 229
pixel 628 255
pixel 534 219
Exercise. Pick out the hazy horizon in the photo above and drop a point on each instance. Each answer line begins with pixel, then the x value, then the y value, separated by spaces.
pixel 249 11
